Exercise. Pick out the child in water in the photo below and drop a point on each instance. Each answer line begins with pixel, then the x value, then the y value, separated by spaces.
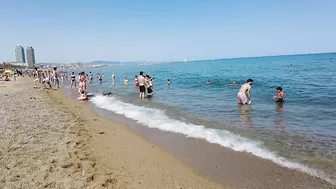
pixel 168 82
pixel 126 81
pixel 208 82
pixel 280 95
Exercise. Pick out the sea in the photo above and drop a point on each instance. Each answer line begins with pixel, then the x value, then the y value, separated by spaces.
pixel 299 133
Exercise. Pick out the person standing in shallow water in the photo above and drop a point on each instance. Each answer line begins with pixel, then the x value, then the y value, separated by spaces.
pixel 100 78
pixel 142 87
pixel 244 94
pixel 73 80
pixel 279 95
pixel 113 77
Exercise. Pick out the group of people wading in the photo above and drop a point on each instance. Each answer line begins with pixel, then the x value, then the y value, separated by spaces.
pixel 145 84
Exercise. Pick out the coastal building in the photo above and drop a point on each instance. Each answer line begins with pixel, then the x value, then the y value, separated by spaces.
pixel 30 57
pixel 18 64
pixel 20 54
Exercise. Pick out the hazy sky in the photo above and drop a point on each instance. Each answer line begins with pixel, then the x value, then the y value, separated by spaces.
pixel 157 30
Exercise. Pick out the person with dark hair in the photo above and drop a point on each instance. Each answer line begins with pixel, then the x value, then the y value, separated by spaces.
pixel 89 77
pixel 100 78
pixel 126 82
pixel 149 86
pixel 244 94
pixel 46 79
pixel 279 95
pixel 142 83
pixel 168 82
pixel 73 80
pixel 136 83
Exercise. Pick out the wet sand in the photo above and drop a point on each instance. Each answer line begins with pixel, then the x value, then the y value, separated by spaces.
pixel 234 169
pixel 50 141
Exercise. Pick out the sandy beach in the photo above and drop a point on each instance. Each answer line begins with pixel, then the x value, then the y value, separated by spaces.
pixel 49 141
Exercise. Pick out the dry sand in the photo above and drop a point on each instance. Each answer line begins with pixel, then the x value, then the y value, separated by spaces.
pixel 49 141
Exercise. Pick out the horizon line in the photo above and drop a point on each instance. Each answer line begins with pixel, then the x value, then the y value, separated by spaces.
pixel 196 60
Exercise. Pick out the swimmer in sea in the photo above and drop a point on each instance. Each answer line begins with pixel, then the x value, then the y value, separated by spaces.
pixel 168 82
pixel 233 83
pixel 244 94
pixel 279 95
pixel 208 82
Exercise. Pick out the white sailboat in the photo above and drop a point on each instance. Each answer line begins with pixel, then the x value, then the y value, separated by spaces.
pixel 185 60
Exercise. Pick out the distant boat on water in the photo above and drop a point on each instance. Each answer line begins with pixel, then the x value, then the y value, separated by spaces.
pixel 185 60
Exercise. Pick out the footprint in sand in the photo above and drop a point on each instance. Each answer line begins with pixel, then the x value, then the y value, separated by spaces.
pixel 109 181
pixel 68 165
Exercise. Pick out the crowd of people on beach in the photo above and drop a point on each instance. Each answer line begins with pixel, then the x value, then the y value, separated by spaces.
pixel 9 74
pixel 143 83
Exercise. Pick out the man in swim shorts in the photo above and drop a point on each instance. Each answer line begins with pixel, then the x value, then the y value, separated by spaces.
pixel 142 87
pixel 244 94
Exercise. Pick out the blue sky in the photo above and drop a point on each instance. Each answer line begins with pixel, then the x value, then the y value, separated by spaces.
pixel 154 30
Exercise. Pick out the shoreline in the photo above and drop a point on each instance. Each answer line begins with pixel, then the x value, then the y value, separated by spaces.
pixel 222 164
pixel 50 141
pixel 116 152
pixel 142 156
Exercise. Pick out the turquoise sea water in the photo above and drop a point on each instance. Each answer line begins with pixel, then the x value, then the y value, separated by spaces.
pixel 303 129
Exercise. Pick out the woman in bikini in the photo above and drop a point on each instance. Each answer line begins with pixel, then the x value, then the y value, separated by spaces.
pixel 100 78
pixel 73 80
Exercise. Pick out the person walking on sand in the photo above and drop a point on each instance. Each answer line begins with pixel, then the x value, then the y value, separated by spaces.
pixel 244 94
pixel 142 87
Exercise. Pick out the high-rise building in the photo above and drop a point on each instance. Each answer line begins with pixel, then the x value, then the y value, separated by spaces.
pixel 20 54
pixel 30 57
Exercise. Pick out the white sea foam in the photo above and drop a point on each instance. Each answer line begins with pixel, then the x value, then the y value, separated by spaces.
pixel 156 118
